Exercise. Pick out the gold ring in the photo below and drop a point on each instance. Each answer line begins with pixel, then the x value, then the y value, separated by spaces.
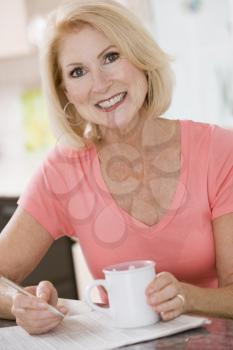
pixel 182 299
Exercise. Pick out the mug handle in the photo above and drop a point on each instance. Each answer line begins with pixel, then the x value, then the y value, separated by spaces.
pixel 87 296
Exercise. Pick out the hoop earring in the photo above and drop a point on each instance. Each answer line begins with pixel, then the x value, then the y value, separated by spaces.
pixel 65 107
pixel 71 119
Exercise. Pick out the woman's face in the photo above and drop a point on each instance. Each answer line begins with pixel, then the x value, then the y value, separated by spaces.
pixel 103 85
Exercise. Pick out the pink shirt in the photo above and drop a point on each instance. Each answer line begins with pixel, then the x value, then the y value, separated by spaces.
pixel 68 196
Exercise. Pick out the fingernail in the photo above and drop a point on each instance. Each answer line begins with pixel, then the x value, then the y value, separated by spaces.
pixel 63 309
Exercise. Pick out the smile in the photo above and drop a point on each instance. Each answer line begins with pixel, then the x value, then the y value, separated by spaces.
pixel 112 102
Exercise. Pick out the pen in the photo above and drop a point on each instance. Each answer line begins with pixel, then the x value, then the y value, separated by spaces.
pixel 13 285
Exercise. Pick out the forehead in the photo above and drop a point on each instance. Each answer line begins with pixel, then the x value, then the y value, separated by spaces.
pixel 82 43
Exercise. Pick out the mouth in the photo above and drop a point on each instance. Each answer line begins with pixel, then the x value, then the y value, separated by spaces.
pixel 112 103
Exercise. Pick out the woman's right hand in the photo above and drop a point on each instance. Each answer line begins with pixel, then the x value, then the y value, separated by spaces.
pixel 32 313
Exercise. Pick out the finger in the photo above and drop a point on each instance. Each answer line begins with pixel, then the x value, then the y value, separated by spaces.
pixel 46 329
pixel 36 321
pixel 37 328
pixel 35 316
pixel 26 302
pixel 31 289
pixel 169 292
pixel 43 290
pixel 170 315
pixel 159 282
pixel 169 305
pixel 46 291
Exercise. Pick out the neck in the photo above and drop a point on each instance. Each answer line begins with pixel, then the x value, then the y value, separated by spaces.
pixel 130 134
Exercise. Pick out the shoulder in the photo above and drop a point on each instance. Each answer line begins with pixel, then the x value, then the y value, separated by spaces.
pixel 195 128
pixel 213 129
pixel 62 158
pixel 223 137
pixel 210 134
pixel 63 168
pixel 221 150
pixel 61 153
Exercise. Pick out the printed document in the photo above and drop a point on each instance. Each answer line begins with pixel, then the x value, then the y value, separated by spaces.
pixel 84 329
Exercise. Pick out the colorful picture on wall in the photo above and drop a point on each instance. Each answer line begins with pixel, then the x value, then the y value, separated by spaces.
pixel 38 136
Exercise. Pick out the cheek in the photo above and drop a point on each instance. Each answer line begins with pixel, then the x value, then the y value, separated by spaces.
pixel 132 75
pixel 75 94
pixel 126 71
pixel 140 81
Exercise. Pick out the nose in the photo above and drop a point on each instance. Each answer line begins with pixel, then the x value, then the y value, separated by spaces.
pixel 101 81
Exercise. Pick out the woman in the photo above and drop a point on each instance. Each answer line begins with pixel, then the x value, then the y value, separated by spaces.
pixel 126 182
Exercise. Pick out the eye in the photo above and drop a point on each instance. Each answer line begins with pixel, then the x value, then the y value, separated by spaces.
pixel 111 57
pixel 78 72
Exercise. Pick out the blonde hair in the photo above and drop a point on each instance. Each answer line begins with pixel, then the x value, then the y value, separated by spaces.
pixel 126 32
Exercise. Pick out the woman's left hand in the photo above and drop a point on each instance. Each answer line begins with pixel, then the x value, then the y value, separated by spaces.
pixel 167 296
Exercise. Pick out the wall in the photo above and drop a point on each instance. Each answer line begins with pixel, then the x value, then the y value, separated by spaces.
pixel 201 43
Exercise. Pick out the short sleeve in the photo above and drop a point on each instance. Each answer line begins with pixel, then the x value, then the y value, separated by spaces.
pixel 41 201
pixel 220 172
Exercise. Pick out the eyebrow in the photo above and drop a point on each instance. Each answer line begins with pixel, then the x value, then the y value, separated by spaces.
pixel 99 55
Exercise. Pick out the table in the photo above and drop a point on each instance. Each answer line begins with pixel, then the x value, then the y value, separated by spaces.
pixel 215 336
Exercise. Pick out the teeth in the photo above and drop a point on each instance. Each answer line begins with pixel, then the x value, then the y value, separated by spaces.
pixel 112 101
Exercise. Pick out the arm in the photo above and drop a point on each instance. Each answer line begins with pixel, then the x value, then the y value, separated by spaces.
pixel 23 243
pixel 162 292
pixel 218 302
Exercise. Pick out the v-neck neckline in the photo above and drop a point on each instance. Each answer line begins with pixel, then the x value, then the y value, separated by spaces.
pixel 178 196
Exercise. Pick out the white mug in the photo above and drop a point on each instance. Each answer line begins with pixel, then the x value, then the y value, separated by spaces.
pixel 125 284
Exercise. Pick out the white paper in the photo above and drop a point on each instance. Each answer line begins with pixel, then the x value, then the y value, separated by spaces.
pixel 84 329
